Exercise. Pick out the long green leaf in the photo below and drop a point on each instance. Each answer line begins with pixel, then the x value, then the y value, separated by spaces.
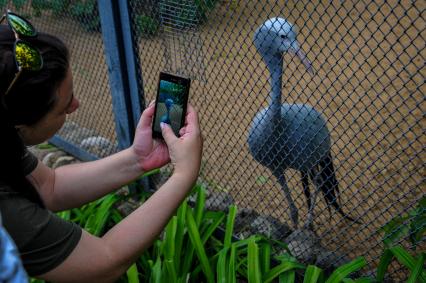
pixel 216 219
pixel 171 270
pixel 287 277
pixel 132 274
pixel 232 276
pixel 265 257
pixel 169 240
pixel 229 230
pixel 407 260
pixel 199 205
pixel 222 266
pixel 254 275
pixel 199 248
pixel 313 274
pixel 156 271
pixel 385 260
pixel 281 268
pixel 417 270
pixel 344 270
pixel 180 234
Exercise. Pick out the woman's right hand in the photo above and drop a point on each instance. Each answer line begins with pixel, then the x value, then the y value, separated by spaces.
pixel 185 151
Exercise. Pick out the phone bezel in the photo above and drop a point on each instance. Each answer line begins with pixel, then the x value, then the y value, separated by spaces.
pixel 174 79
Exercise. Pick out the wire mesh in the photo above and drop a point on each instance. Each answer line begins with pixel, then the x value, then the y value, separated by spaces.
pixel 92 126
pixel 368 86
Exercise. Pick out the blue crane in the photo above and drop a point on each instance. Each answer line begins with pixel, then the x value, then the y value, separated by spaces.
pixel 166 117
pixel 293 136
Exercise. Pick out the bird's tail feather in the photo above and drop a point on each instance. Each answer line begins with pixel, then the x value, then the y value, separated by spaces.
pixel 329 185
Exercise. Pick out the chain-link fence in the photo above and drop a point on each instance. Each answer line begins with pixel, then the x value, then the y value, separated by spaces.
pixel 77 24
pixel 368 87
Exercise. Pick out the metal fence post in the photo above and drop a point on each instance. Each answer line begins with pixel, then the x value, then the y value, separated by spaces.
pixel 123 68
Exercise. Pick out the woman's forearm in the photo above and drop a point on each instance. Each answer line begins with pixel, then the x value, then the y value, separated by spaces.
pixel 77 184
pixel 128 239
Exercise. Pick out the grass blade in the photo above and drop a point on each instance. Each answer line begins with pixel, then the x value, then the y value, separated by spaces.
pixel 346 269
pixel 156 272
pixel 281 268
pixel 132 274
pixel 417 270
pixel 180 233
pixel 313 274
pixel 199 205
pixel 385 260
pixel 287 277
pixel 217 219
pixel 199 248
pixel 232 275
pixel 229 230
pixel 253 270
pixel 221 265
pixel 265 257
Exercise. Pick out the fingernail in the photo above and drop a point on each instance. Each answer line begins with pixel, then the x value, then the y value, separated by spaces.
pixel 162 125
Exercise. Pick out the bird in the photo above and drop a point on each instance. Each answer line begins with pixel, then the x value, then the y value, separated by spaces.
pixel 166 117
pixel 295 136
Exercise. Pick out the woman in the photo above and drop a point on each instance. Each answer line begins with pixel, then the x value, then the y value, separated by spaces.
pixel 35 103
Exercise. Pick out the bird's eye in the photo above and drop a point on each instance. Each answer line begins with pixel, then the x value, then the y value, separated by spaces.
pixel 283 36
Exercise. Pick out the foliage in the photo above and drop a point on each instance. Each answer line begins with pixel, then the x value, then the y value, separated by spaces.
pixel 146 25
pixel 412 224
pixel 199 246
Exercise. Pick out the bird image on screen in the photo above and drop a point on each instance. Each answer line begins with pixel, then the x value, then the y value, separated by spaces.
pixel 293 136
pixel 170 105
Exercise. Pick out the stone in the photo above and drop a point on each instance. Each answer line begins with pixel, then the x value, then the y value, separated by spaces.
pixel 51 158
pixel 98 146
pixel 40 153
pixel 63 160
pixel 218 201
pixel 304 245
pixel 330 260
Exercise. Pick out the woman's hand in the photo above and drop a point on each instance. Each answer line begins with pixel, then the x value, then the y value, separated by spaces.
pixel 151 153
pixel 185 151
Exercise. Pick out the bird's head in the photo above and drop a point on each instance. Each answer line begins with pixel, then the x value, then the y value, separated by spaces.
pixel 277 36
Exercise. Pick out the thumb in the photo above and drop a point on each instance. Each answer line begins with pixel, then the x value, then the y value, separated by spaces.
pixel 168 134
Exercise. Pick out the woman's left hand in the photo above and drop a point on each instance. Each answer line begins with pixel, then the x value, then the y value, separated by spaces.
pixel 152 153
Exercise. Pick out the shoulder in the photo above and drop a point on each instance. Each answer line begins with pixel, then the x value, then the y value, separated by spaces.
pixel 43 239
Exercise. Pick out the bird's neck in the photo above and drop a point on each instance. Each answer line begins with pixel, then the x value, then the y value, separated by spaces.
pixel 275 66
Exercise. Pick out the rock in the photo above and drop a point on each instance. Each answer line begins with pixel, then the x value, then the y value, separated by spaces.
pixel 218 201
pixel 63 160
pixel 330 260
pixel 40 153
pixel 304 245
pixel 98 145
pixel 128 206
pixel 51 158
pixel 73 133
pixel 270 227
pixel 249 222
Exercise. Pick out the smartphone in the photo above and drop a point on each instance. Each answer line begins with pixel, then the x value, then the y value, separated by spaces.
pixel 171 102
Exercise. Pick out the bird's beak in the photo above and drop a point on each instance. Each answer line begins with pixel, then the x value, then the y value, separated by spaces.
pixel 295 49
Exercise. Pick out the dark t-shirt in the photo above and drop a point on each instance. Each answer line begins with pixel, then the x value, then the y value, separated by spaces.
pixel 44 240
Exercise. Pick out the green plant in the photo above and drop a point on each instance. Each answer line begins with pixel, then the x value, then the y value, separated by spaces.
pixel 146 25
pixel 411 224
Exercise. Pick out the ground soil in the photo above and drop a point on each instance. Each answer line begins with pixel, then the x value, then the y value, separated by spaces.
pixel 369 84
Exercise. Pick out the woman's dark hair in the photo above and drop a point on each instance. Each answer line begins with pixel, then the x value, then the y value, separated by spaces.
pixel 29 100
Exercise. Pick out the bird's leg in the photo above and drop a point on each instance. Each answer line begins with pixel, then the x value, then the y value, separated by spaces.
pixel 305 183
pixel 315 179
pixel 294 215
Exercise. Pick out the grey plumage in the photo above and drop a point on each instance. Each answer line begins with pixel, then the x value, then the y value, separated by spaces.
pixel 293 136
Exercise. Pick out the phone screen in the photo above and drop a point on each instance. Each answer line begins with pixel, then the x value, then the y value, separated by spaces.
pixel 170 104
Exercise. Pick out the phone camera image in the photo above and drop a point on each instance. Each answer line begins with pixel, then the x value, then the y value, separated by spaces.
pixel 170 105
